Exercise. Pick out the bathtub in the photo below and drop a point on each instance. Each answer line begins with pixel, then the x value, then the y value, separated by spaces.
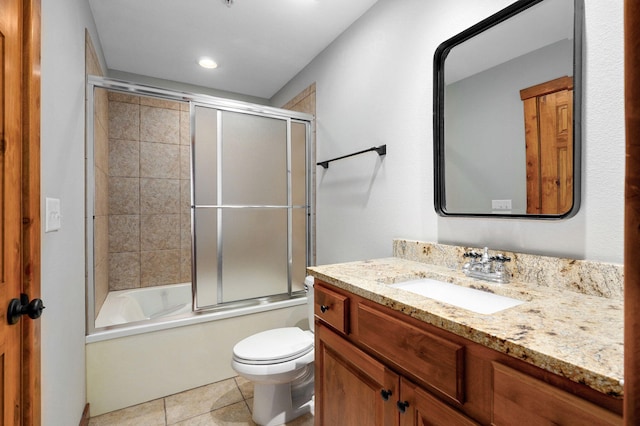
pixel 124 306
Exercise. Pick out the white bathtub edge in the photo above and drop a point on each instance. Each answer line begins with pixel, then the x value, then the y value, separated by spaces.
pixel 193 318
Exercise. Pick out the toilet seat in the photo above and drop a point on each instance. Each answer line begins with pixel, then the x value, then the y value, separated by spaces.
pixel 273 346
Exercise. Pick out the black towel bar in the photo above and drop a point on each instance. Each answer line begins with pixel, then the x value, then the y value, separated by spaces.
pixel 381 150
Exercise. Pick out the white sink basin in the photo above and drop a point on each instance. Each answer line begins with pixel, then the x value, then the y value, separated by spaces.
pixel 478 301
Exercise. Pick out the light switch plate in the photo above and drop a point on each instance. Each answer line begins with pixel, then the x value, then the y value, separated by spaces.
pixel 53 215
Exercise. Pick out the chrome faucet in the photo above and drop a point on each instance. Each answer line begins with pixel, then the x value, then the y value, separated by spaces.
pixel 485 267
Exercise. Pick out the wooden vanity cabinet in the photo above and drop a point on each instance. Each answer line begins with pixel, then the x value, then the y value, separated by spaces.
pixel 352 388
pixel 378 366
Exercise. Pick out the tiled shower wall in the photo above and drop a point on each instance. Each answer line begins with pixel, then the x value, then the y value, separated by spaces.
pixel 149 192
pixel 101 171
pixel 305 101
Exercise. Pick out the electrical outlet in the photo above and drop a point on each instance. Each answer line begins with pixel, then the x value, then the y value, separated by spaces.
pixel 53 215
pixel 501 204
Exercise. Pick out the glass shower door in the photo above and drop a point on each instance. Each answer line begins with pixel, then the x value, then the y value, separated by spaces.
pixel 244 212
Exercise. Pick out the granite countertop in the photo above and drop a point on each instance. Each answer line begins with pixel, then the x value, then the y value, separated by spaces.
pixel 574 335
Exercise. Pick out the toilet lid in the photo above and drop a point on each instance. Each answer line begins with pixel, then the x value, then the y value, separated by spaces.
pixel 273 346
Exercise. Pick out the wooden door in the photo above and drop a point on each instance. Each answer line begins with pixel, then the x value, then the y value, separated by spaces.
pixel 632 214
pixel 10 206
pixel 19 207
pixel 548 116
pixel 423 409
pixel 352 389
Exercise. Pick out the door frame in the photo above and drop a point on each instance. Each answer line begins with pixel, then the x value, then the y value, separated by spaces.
pixel 632 213
pixel 31 229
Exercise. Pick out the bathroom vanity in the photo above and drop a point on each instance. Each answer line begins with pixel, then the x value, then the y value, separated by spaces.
pixel 386 356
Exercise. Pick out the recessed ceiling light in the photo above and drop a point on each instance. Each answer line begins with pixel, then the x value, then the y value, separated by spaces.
pixel 207 63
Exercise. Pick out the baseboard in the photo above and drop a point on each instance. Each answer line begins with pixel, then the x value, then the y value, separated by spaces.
pixel 84 420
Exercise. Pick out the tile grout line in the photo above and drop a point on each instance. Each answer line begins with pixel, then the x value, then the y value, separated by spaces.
pixel 166 416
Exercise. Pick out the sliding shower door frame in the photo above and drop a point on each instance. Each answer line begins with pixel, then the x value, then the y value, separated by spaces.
pixel 220 206
pixel 96 82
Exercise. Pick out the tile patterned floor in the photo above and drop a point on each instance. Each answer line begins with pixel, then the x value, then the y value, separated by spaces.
pixel 225 403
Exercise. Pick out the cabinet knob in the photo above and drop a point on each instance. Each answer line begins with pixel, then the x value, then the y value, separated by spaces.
pixel 402 406
pixel 386 394
pixel 324 308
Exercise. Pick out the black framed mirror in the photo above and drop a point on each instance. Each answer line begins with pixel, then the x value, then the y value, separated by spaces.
pixel 507 114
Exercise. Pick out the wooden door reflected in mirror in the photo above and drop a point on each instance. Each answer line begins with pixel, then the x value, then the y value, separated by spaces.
pixel 548 118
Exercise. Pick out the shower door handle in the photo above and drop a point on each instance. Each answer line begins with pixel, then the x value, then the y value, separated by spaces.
pixel 22 306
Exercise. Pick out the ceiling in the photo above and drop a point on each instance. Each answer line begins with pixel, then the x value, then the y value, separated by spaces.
pixel 259 45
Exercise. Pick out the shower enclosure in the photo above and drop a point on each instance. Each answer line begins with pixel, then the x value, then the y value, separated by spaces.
pixel 195 204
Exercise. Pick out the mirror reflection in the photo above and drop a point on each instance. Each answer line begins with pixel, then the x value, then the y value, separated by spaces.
pixel 505 134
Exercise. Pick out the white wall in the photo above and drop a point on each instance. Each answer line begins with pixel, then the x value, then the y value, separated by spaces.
pixel 374 86
pixel 62 162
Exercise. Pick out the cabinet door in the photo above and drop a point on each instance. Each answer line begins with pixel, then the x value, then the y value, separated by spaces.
pixel 419 408
pixel 352 388
pixel 519 398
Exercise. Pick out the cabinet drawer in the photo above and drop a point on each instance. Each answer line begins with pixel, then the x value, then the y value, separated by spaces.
pixel 433 360
pixel 521 399
pixel 332 308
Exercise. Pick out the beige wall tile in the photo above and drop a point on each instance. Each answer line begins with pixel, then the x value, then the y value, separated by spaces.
pixel 124 97
pixel 124 195
pixel 159 160
pixel 124 270
pixel 159 125
pixel 101 193
pixel 124 158
pixel 160 103
pixel 185 230
pixel 159 232
pixel 101 107
pixel 146 196
pixel 100 285
pixel 100 147
pixel 159 267
pixel 185 128
pixel 101 239
pixel 100 260
pixel 124 233
pixel 185 196
pixel 124 121
pixel 92 64
pixel 159 196
pixel 185 162
pixel 185 265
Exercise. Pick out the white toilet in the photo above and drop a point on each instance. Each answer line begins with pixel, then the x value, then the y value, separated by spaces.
pixel 280 364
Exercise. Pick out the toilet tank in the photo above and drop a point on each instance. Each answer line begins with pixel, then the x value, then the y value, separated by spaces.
pixel 308 286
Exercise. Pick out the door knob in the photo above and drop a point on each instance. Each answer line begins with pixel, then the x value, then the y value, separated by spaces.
pixel 22 306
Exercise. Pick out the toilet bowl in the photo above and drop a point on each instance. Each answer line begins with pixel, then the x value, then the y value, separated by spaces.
pixel 279 362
